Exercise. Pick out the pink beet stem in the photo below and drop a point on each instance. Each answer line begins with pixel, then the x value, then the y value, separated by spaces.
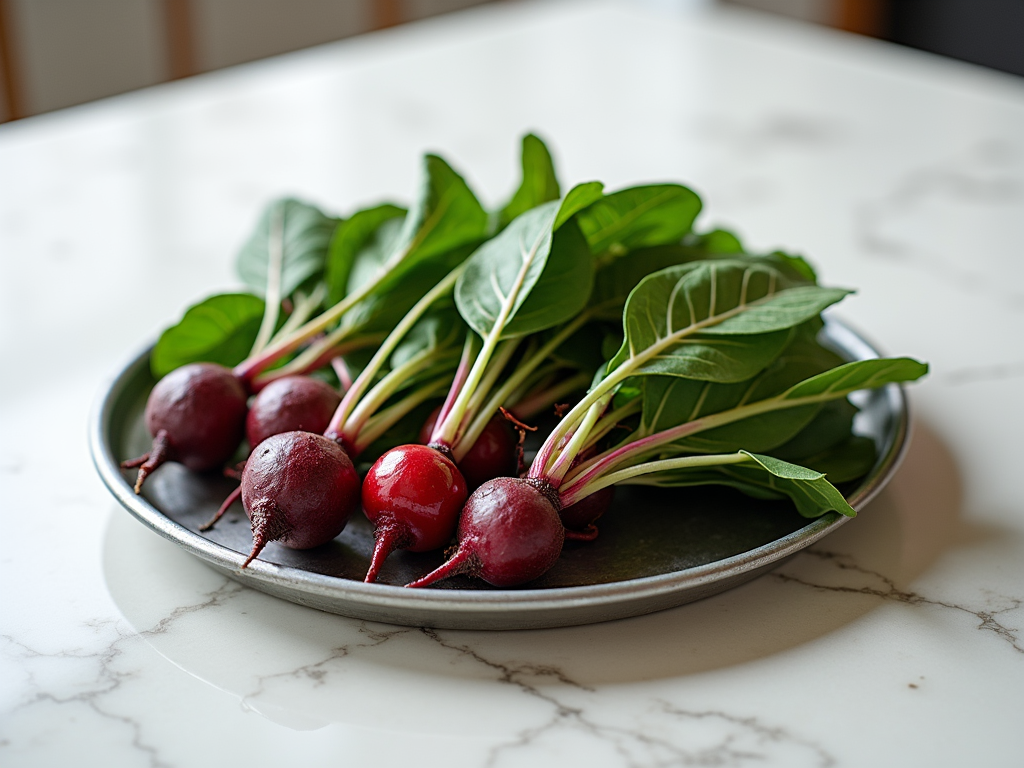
pixel 231 499
pixel 461 373
pixel 388 537
pixel 341 369
pixel 462 561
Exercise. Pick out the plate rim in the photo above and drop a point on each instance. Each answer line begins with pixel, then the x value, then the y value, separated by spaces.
pixel 261 573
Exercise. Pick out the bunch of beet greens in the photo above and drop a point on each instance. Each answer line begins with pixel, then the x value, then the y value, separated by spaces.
pixel 688 362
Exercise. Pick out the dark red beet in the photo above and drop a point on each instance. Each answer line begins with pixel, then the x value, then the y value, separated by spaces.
pixel 196 415
pixel 509 534
pixel 413 495
pixel 492 455
pixel 584 513
pixel 289 404
pixel 298 489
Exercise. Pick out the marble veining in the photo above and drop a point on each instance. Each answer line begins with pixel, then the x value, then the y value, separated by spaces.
pixel 883 587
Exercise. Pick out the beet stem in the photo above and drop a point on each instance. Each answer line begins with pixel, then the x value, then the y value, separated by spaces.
pixel 461 562
pixel 388 537
pixel 231 499
pixel 157 456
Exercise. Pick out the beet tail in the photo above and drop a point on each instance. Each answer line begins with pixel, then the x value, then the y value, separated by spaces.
pixel 463 561
pixel 387 538
pixel 148 462
pixel 268 524
pixel 231 499
pixel 587 534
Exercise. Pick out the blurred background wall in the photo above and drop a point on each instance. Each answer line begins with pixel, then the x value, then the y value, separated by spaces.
pixel 58 53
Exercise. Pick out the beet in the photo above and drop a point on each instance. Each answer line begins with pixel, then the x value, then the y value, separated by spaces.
pixel 298 489
pixel 412 495
pixel 492 455
pixel 582 515
pixel 509 534
pixel 289 404
pixel 196 415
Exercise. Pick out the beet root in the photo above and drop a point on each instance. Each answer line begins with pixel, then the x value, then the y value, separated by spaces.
pixel 298 489
pixel 579 518
pixel 509 533
pixel 196 415
pixel 492 455
pixel 412 495
pixel 289 404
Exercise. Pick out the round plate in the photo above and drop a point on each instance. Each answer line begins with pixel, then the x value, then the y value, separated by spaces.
pixel 658 548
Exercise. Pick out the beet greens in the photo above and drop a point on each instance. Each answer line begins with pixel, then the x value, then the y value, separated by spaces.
pixel 685 360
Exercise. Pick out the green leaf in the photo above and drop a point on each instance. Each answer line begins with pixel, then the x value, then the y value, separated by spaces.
pixel 539 184
pixel 446 219
pixel 617 277
pixel 578 198
pixel 795 266
pixel 385 307
pixel 721 320
pixel 370 261
pixel 670 401
pixel 862 374
pixel 832 425
pixel 527 278
pixel 446 215
pixel 717 241
pixel 764 477
pixel 846 461
pixel 809 490
pixel 220 329
pixel 350 237
pixel 654 214
pixel 438 329
pixel 304 233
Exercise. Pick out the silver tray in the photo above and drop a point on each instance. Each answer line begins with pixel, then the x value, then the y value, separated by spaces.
pixel 687 543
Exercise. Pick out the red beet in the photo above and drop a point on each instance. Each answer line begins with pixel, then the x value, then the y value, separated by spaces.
pixel 492 455
pixel 289 404
pixel 584 513
pixel 196 415
pixel 509 534
pixel 412 495
pixel 298 489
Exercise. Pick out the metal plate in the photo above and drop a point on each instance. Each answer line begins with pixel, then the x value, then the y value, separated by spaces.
pixel 658 548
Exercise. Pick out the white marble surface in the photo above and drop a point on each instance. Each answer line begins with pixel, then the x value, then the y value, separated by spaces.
pixel 898 641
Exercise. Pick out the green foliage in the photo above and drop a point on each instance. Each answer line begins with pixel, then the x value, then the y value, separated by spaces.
pixel 301 231
pixel 350 238
pixel 530 277
pixel 539 184
pixel 714 320
pixel 220 329
pixel 637 217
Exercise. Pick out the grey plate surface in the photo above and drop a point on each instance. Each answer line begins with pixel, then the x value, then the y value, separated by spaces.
pixel 658 548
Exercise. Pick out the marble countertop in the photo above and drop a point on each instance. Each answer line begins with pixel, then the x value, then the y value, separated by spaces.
pixel 897 641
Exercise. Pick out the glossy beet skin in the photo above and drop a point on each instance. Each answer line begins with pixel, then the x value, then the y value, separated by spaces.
pixel 196 415
pixel 298 489
pixel 290 404
pixel 413 495
pixel 492 455
pixel 509 533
